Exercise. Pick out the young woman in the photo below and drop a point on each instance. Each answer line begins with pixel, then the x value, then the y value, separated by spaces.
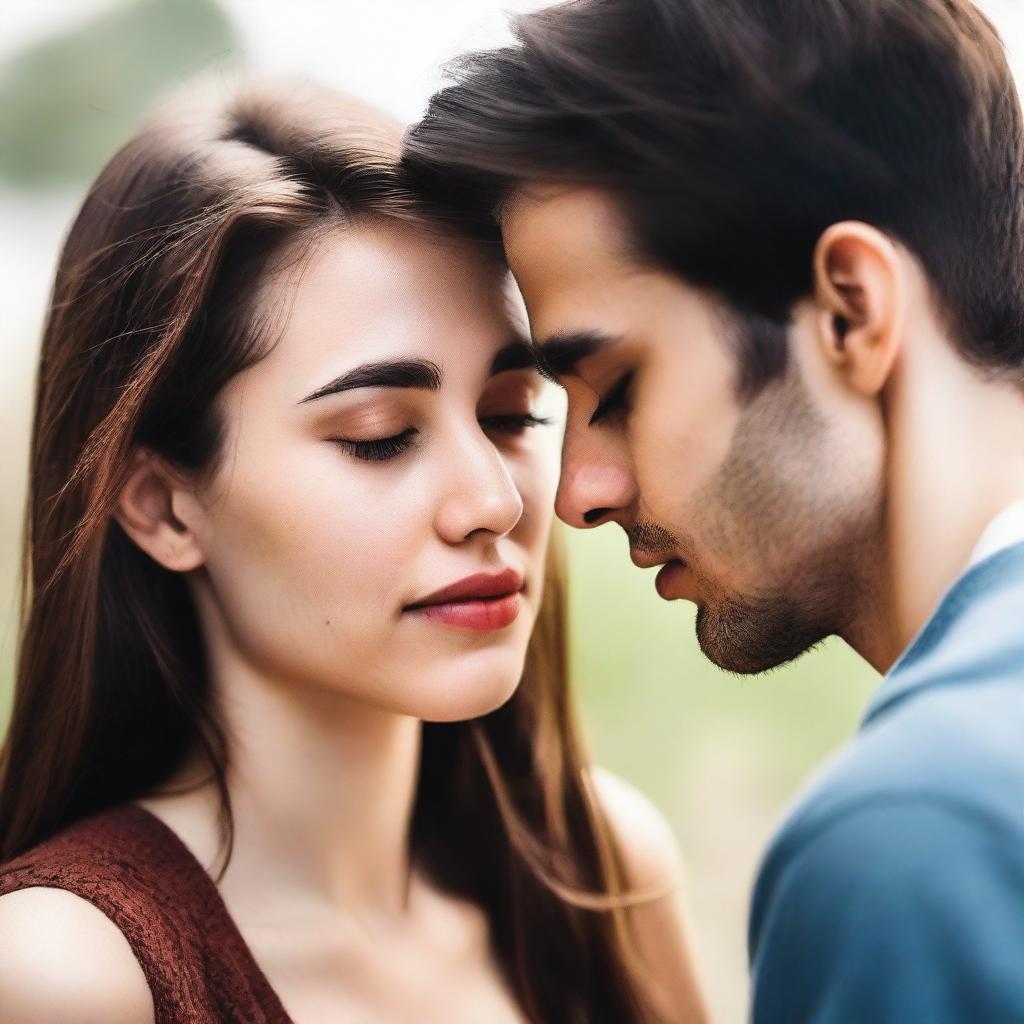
pixel 292 738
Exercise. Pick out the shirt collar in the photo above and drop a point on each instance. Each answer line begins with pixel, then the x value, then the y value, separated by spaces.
pixel 1006 529
pixel 998 577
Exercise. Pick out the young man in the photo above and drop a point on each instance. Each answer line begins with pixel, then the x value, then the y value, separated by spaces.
pixel 773 250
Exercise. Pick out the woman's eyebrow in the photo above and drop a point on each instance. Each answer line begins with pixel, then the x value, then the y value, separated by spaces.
pixel 391 373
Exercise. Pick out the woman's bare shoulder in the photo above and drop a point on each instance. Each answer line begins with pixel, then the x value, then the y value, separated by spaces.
pixel 62 959
pixel 652 862
pixel 645 838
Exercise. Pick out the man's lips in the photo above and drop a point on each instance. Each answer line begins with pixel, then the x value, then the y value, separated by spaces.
pixel 670 577
pixel 480 603
pixel 670 573
pixel 650 561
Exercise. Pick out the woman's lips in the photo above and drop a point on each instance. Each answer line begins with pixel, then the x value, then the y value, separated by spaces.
pixel 482 602
pixel 480 615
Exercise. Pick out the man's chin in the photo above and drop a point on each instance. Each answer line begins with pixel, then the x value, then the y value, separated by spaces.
pixel 745 639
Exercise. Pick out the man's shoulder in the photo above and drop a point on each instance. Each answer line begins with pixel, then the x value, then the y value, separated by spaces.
pixel 908 882
pixel 907 847
pixel 956 746
pixel 917 820
pixel 887 841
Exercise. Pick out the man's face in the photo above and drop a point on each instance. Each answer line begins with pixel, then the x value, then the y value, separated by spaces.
pixel 763 516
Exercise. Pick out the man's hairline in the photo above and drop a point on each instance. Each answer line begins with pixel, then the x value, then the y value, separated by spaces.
pixel 731 318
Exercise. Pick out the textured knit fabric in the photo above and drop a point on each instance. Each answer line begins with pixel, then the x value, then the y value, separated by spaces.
pixel 129 864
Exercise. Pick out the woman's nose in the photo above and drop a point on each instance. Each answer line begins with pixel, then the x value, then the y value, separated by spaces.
pixel 479 492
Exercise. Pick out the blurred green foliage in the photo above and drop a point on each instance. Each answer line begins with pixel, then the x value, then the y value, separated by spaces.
pixel 72 100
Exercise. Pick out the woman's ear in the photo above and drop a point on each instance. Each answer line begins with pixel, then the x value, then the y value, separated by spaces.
pixel 860 296
pixel 159 513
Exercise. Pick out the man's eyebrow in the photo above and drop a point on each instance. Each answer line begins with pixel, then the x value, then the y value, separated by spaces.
pixel 518 354
pixel 558 355
pixel 393 373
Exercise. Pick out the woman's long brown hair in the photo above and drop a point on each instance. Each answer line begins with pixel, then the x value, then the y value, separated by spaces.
pixel 151 314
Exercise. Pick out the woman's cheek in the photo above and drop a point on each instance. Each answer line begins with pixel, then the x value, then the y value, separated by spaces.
pixel 534 527
pixel 537 479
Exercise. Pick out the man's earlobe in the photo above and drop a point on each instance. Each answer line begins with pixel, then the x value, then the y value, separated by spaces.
pixel 859 291
pixel 150 511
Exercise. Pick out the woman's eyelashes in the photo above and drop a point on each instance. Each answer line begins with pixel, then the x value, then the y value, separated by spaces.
pixel 615 400
pixel 387 448
pixel 380 450
pixel 513 424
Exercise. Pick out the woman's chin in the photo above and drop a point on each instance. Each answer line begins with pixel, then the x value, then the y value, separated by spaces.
pixel 465 700
pixel 452 687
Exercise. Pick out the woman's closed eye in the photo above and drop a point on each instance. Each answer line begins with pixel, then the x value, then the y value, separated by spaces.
pixel 515 423
pixel 381 449
pixel 386 448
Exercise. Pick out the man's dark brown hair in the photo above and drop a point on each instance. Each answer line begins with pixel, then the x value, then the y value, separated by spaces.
pixel 734 132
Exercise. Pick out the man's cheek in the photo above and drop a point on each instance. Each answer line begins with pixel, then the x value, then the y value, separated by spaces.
pixel 667 473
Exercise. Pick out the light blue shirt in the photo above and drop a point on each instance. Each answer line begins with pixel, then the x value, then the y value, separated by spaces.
pixel 894 892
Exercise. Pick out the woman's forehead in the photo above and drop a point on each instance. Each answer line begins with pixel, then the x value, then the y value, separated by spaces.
pixel 385 290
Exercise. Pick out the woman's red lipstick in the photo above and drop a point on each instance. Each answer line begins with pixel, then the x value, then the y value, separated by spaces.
pixel 480 603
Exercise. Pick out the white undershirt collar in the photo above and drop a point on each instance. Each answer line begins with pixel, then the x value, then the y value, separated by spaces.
pixel 1004 531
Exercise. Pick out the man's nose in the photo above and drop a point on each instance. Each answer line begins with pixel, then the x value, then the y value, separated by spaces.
pixel 596 484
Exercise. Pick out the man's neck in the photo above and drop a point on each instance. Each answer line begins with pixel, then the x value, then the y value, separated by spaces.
pixel 956 460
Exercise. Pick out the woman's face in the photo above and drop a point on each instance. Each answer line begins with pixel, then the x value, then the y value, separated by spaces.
pixel 339 503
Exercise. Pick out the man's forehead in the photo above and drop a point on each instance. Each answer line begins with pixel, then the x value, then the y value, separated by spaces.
pixel 577 212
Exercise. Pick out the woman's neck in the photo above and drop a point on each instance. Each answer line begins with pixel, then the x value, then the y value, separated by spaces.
pixel 322 791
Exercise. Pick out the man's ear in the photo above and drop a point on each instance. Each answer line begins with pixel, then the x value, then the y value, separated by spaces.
pixel 159 513
pixel 860 295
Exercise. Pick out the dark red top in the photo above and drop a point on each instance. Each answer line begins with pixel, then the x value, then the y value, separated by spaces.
pixel 135 869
